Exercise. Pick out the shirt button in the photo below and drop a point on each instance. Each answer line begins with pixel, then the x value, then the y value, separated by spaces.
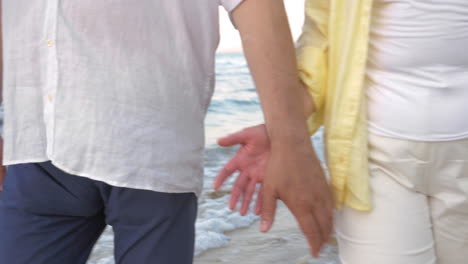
pixel 50 43
pixel 50 98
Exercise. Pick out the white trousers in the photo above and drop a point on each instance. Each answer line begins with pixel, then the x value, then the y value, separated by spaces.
pixel 420 215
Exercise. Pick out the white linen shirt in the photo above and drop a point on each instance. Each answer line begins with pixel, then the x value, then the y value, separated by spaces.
pixel 116 91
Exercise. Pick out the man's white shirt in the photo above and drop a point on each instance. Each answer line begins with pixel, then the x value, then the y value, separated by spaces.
pixel 116 91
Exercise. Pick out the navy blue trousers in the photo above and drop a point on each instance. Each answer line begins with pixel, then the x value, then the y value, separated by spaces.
pixel 50 217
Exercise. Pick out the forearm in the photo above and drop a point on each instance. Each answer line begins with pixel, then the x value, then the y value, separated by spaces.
pixel 309 106
pixel 270 52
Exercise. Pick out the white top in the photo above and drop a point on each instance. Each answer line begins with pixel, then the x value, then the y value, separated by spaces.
pixel 115 91
pixel 417 76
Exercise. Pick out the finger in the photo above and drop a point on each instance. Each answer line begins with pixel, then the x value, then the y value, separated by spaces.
pixel 248 197
pixel 330 219
pixel 233 139
pixel 327 222
pixel 238 189
pixel 258 206
pixel 228 170
pixel 268 209
pixel 331 226
pixel 324 222
pixel 311 231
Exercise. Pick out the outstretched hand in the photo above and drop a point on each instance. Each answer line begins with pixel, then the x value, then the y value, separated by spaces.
pixel 250 160
pixel 289 172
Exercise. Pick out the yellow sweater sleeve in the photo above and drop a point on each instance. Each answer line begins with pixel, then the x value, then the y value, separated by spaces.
pixel 312 57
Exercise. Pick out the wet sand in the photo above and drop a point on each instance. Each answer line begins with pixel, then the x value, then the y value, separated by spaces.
pixel 284 244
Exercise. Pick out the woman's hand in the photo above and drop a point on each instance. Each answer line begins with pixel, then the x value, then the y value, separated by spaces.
pixel 250 160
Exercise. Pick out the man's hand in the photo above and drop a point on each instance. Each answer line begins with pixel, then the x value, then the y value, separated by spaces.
pixel 251 160
pixel 294 175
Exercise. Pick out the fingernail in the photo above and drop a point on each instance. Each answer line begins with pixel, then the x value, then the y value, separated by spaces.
pixel 264 226
pixel 317 253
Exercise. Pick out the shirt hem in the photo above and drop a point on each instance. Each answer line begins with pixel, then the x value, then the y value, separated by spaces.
pixel 21 161
pixel 164 188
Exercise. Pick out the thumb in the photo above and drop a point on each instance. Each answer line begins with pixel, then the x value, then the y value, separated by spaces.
pixel 268 210
pixel 233 139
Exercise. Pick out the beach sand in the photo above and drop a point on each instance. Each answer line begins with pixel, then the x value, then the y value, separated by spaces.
pixel 284 244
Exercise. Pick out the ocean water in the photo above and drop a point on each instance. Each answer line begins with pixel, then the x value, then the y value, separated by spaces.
pixel 235 105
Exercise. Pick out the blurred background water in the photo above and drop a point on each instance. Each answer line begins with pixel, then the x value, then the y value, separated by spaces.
pixel 235 105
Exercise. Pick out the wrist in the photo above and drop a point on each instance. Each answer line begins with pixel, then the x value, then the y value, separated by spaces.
pixel 290 137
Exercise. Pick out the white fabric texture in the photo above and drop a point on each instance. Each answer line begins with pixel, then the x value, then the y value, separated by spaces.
pixel 230 5
pixel 417 75
pixel 116 91
pixel 420 197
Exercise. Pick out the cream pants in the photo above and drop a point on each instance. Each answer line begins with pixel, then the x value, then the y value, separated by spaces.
pixel 420 197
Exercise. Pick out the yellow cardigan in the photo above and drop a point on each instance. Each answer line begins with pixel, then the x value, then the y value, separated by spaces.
pixel 332 55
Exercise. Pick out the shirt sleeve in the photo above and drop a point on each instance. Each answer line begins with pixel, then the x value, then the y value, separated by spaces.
pixel 312 57
pixel 230 5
